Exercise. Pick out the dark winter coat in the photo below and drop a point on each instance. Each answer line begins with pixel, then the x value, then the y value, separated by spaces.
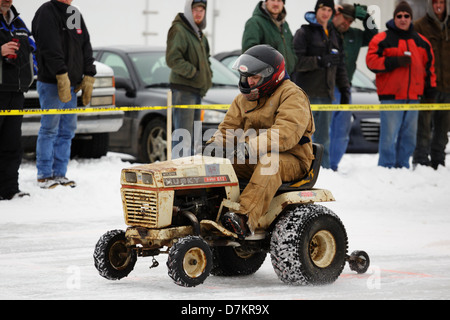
pixel 62 46
pixel 311 43
pixel 188 55
pixel 16 75
pixel 261 29
pixel 353 40
pixel 437 32
pixel 402 83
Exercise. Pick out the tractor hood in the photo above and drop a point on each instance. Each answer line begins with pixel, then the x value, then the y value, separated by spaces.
pixel 183 173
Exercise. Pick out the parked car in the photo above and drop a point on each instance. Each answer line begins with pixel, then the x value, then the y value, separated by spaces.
pixel 142 79
pixel 365 131
pixel 93 129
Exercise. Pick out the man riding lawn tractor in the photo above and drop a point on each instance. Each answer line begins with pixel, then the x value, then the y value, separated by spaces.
pixel 222 216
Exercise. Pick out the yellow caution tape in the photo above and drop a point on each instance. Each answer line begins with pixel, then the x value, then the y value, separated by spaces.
pixel 314 107
pixel 380 107
pixel 74 110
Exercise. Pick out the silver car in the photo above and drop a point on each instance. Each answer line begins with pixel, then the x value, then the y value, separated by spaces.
pixel 91 139
pixel 142 79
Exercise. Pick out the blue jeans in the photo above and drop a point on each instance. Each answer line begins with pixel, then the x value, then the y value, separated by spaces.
pixel 184 119
pixel 341 124
pixel 56 133
pixel 398 132
pixel 322 120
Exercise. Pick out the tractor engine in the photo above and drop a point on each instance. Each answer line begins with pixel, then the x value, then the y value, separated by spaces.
pixel 203 203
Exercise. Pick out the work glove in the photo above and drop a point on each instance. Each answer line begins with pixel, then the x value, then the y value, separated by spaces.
pixel 328 60
pixel 87 85
pixel 242 151
pixel 63 85
pixel 209 150
pixel 360 11
pixel 345 95
pixel 404 61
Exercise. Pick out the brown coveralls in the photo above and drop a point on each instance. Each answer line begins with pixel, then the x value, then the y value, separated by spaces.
pixel 286 116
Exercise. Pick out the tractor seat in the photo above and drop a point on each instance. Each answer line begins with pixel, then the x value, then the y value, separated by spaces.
pixel 308 181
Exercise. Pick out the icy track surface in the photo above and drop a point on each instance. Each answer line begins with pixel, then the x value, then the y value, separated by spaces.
pixel 400 217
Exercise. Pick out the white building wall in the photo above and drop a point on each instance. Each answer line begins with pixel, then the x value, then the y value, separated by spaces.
pixel 112 22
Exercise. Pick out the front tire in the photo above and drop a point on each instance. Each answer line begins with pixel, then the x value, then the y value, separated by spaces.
pixel 189 261
pixel 309 246
pixel 112 258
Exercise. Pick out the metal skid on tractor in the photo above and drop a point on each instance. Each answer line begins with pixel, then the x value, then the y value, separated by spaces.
pixel 175 208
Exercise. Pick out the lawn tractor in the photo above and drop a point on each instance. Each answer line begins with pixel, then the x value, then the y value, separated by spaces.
pixel 175 208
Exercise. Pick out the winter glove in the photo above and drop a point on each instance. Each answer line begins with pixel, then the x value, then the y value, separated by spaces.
pixel 360 12
pixel 242 151
pixel 345 95
pixel 63 85
pixel 404 61
pixel 209 150
pixel 87 85
pixel 429 95
pixel 328 60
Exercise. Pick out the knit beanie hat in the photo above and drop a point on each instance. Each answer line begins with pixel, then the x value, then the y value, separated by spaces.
pixel 324 3
pixel 403 6
pixel 348 10
pixel 197 3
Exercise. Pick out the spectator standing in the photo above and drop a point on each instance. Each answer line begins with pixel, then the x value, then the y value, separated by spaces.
pixel 403 61
pixel 353 39
pixel 268 25
pixel 321 67
pixel 65 66
pixel 191 75
pixel 433 126
pixel 16 74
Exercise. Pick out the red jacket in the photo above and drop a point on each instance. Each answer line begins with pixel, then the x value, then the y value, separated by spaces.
pixel 402 83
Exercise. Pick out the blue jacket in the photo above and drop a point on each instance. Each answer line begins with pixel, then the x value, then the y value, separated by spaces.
pixel 17 74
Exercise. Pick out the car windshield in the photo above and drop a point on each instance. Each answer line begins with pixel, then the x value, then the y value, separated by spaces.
pixel 154 72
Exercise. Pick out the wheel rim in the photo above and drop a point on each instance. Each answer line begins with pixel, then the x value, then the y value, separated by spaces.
pixel 243 254
pixel 156 145
pixel 118 255
pixel 194 262
pixel 322 248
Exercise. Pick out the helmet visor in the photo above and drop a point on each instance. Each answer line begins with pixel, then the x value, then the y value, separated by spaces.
pixel 248 65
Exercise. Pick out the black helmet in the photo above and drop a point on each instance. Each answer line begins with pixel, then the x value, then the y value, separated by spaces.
pixel 260 60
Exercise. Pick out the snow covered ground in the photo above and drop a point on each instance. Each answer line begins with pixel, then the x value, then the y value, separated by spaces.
pixel 400 217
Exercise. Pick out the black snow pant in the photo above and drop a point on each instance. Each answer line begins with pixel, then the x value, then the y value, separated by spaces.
pixel 432 135
pixel 10 144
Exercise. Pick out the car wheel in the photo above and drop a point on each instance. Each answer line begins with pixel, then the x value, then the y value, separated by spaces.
pixel 153 146
pixel 92 146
